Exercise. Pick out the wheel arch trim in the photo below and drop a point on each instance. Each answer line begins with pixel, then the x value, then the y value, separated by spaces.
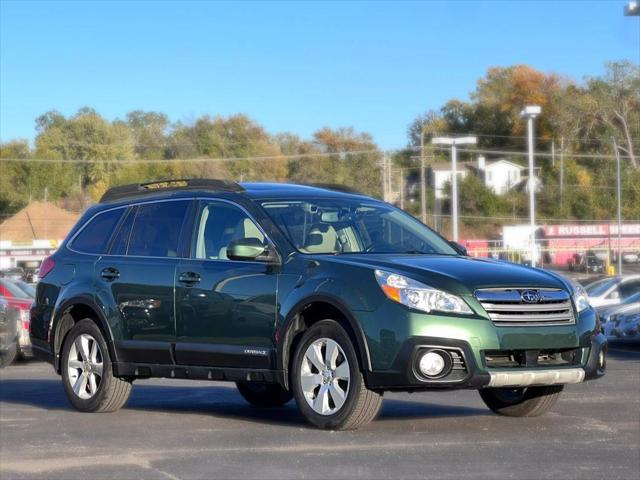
pixel 285 340
pixel 99 318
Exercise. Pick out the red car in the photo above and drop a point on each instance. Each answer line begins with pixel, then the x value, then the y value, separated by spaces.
pixel 20 300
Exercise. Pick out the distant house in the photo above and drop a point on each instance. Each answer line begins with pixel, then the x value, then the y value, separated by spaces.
pixel 499 175
pixel 439 174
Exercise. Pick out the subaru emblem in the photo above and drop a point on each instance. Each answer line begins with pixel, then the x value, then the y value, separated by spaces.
pixel 530 296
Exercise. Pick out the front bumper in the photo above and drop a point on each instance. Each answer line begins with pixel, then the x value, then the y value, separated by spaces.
pixel 403 377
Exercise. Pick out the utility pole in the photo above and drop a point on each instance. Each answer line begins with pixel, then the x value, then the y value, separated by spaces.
pixel 561 171
pixel 454 175
pixel 390 173
pixel 46 206
pixel 529 113
pixel 383 176
pixel 402 188
pixel 423 186
pixel 615 148
pixel 553 153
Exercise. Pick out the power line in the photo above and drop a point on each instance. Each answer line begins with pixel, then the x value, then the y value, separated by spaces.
pixel 196 160
pixel 544 139
pixel 537 154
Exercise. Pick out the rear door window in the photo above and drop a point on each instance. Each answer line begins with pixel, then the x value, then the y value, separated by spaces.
pixel 95 235
pixel 156 229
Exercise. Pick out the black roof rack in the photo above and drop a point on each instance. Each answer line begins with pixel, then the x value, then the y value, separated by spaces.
pixel 335 187
pixel 174 185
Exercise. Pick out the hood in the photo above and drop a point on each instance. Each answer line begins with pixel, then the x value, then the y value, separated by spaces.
pixel 457 274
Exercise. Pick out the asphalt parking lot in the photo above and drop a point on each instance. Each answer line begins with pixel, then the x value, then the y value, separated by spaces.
pixel 174 429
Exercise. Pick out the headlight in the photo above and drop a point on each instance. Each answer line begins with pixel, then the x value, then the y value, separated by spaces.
pixel 417 295
pixel 580 297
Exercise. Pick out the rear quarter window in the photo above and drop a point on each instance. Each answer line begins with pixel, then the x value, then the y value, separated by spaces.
pixel 94 236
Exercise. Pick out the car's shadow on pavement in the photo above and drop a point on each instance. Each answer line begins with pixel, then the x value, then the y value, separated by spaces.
pixel 218 401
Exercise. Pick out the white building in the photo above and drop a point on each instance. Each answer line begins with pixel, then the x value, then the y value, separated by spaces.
pixel 500 175
pixel 440 174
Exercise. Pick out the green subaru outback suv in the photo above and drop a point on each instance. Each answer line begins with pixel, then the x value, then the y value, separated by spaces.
pixel 307 292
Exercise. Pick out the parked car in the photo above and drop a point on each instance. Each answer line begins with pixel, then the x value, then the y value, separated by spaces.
pixel 611 314
pixel 27 288
pixel 589 263
pixel 8 333
pixel 318 294
pixel 21 301
pixel 612 290
pixel 630 257
pixel 626 326
pixel 15 273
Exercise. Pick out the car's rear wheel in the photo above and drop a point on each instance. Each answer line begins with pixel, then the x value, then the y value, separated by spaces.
pixel 521 402
pixel 327 382
pixel 87 374
pixel 264 394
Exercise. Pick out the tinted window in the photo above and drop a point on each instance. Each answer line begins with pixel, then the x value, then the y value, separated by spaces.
pixel 629 288
pixel 121 240
pixel 93 238
pixel 156 229
pixel 218 224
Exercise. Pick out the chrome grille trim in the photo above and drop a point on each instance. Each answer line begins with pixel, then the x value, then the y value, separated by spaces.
pixel 506 308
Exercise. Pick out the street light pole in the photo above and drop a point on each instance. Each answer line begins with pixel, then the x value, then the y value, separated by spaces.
pixel 530 112
pixel 454 175
pixel 615 147
pixel 423 186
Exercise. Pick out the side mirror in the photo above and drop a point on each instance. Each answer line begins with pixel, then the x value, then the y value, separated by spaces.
pixel 251 249
pixel 458 247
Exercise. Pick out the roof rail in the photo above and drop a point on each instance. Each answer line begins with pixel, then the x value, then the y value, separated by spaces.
pixel 173 185
pixel 336 187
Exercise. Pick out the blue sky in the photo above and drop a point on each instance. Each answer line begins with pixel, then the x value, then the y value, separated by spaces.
pixel 292 66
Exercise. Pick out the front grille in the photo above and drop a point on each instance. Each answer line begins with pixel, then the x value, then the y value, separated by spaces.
pixel 506 308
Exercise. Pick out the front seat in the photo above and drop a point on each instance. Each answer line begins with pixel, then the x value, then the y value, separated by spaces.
pixel 322 238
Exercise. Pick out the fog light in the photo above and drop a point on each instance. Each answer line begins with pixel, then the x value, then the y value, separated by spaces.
pixel 432 364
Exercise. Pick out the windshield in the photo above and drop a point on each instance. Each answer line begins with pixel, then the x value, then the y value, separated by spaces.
pixel 26 288
pixel 600 287
pixel 331 226
pixel 6 286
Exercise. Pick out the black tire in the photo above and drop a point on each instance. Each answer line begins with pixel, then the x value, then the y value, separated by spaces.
pixel 361 405
pixel 264 394
pixel 521 402
pixel 112 392
pixel 9 356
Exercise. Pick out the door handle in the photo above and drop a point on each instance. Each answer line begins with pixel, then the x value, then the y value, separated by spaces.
pixel 189 278
pixel 109 274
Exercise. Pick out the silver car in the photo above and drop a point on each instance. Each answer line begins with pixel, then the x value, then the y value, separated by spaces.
pixel 613 290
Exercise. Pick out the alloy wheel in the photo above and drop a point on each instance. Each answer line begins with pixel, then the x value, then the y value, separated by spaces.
pixel 84 366
pixel 325 376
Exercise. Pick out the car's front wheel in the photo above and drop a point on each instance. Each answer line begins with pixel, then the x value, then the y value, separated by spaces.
pixel 327 382
pixel 87 374
pixel 521 402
